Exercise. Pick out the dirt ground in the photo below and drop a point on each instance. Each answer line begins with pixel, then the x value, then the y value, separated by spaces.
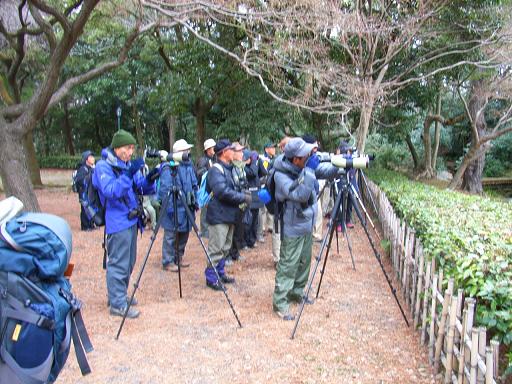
pixel 354 332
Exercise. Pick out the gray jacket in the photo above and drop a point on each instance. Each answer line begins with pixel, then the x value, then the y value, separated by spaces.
pixel 296 188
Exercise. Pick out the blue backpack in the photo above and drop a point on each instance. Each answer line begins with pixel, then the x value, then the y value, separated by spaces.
pixel 39 316
pixel 203 196
pixel 90 200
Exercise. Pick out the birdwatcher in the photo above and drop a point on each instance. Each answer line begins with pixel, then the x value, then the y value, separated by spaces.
pixel 118 180
pixel 83 173
pixel 182 176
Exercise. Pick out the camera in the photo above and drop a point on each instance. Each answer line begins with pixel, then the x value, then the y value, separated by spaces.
pixel 163 155
pixel 136 212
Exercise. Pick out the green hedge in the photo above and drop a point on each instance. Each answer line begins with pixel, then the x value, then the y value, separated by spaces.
pixel 60 161
pixel 470 237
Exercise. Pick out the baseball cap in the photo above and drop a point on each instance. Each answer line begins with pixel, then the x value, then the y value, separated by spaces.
pixel 297 147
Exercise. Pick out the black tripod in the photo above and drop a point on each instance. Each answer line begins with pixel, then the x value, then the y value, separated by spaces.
pixel 326 242
pixel 176 194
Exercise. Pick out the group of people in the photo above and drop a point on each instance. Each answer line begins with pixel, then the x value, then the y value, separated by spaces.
pixel 234 218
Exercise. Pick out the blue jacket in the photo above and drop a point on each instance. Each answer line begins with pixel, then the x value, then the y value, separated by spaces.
pixel 186 180
pixel 116 190
pixel 223 207
pixel 296 188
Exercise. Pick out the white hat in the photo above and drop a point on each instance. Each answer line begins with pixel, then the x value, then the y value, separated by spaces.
pixel 209 143
pixel 181 145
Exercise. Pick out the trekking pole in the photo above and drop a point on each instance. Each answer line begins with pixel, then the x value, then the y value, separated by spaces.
pixel 196 231
pixel 378 257
pixel 165 202
pixel 104 246
pixel 332 223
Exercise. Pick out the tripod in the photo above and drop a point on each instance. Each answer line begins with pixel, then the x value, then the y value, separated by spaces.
pixel 176 194
pixel 326 242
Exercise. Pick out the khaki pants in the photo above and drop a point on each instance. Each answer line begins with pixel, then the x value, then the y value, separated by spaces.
pixel 219 241
pixel 292 271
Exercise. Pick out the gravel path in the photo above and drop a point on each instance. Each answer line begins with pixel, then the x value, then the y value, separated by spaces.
pixel 354 333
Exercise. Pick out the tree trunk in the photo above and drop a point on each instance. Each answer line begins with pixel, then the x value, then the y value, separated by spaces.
pixel 437 136
pixel 68 129
pixel 32 163
pixel 364 123
pixel 171 129
pixel 136 119
pixel 200 111
pixel 14 170
pixel 427 161
pixel 413 151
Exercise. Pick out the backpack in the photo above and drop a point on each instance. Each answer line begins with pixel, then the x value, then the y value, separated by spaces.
pixel 39 316
pixel 74 181
pixel 203 196
pixel 270 185
pixel 91 202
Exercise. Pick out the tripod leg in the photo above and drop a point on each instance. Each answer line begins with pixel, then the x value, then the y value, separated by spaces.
pixel 344 226
pixel 177 257
pixel 329 233
pixel 152 241
pixel 354 192
pixel 332 224
pixel 379 258
pixel 196 231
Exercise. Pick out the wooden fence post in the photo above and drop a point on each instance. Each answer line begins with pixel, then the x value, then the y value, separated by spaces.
pixel 449 342
pixel 425 305
pixel 419 288
pixel 433 317
pixel 442 326
pixel 489 366
pixel 482 340
pixel 495 345
pixel 474 356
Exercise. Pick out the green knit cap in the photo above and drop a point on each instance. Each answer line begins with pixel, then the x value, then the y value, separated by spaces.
pixel 122 138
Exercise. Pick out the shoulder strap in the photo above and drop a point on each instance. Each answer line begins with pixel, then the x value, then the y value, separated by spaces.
pixel 219 167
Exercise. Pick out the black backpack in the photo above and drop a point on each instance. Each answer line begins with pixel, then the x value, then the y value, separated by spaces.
pixel 90 200
pixel 270 185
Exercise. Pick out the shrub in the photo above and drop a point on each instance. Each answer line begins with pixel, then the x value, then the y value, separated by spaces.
pixel 59 161
pixel 471 239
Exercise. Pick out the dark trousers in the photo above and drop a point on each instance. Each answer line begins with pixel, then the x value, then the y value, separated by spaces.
pixel 251 229
pixel 85 223
pixel 238 238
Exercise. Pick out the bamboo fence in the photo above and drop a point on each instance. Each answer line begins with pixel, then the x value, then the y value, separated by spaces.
pixel 457 349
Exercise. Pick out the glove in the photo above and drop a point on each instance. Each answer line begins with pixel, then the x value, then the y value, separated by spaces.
pixel 264 196
pixel 248 198
pixel 254 156
pixel 153 174
pixel 313 162
pixel 135 166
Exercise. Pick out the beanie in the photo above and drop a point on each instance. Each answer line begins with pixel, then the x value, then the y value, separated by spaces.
pixel 122 138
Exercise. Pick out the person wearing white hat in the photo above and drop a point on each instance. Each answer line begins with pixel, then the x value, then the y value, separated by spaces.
pixel 204 163
pixel 182 175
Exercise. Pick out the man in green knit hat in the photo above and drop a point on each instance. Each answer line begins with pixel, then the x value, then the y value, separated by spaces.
pixel 117 177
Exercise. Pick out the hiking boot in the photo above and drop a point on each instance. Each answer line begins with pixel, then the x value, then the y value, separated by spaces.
pixel 285 315
pixel 132 312
pixel 229 261
pixel 227 279
pixel 261 239
pixel 339 229
pixel 350 225
pixel 134 301
pixel 215 286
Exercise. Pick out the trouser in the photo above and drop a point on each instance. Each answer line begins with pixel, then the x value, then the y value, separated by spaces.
pixel 238 237
pixel 292 271
pixel 169 246
pixel 85 223
pixel 203 224
pixel 219 242
pixel 276 246
pixel 251 229
pixel 122 253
